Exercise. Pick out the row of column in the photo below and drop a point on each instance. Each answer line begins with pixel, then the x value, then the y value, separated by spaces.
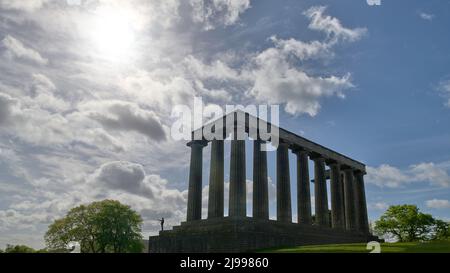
pixel 348 201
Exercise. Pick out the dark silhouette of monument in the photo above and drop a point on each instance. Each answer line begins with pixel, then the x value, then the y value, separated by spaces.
pixel 345 222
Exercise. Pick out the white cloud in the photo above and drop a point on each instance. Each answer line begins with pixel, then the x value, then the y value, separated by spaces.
pixel 392 177
pixel 386 176
pixel 125 116
pixel 44 93
pixel 122 175
pixel 7 108
pixel 444 88
pixel 218 70
pixel 275 76
pixel 25 5
pixel 332 26
pixel 37 121
pixel 160 90
pixel 278 82
pixel 380 206
pixel 212 13
pixel 432 173
pixel 426 16
pixel 438 204
pixel 302 50
pixel 16 49
pixel 31 123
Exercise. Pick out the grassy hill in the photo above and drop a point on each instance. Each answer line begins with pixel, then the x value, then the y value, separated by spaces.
pixel 415 247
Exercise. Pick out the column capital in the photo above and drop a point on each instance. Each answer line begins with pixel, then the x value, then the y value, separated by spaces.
pixel 299 150
pixel 201 143
pixel 283 143
pixel 359 172
pixel 316 157
pixel 331 163
pixel 345 168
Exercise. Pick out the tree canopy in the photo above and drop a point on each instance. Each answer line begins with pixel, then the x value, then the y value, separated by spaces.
pixel 407 224
pixel 100 227
pixel 20 249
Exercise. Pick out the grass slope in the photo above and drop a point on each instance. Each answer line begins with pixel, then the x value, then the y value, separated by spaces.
pixel 415 247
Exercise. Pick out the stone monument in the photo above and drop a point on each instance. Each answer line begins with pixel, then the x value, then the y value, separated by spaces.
pixel 345 222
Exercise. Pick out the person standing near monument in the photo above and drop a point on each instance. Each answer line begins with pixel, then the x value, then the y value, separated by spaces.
pixel 162 223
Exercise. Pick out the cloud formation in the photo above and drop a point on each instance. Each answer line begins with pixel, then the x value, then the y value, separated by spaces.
pixel 438 204
pixel 7 106
pixel 382 206
pixel 276 75
pixel 122 175
pixel 279 80
pixel 332 26
pixel 16 49
pixel 426 16
pixel 444 89
pixel 125 116
pixel 392 177
pixel 22 5
pixel 218 12
pixel 77 127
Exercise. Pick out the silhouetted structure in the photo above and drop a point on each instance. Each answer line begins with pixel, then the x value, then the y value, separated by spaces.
pixel 347 222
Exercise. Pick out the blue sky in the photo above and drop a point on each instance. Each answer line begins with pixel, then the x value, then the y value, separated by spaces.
pixel 87 89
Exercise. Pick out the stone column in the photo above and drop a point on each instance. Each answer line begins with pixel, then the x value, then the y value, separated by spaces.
pixel 237 205
pixel 303 189
pixel 362 221
pixel 215 202
pixel 349 200
pixel 284 212
pixel 337 209
pixel 343 196
pixel 260 183
pixel 194 207
pixel 320 189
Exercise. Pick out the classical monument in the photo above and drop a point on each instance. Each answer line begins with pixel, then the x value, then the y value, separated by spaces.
pixel 345 222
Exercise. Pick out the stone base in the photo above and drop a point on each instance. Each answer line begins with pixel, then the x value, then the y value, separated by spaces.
pixel 244 234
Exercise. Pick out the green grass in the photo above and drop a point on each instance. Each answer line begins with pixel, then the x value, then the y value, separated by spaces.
pixel 415 247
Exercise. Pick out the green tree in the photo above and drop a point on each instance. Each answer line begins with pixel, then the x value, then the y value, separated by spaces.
pixel 19 249
pixel 406 223
pixel 442 230
pixel 100 227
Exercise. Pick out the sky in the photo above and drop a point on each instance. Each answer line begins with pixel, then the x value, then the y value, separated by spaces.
pixel 87 88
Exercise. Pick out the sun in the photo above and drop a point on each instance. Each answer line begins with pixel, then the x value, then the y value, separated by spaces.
pixel 113 33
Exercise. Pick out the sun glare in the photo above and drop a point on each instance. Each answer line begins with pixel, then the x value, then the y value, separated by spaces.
pixel 113 33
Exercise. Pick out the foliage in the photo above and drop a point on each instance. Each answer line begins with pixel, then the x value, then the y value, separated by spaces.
pixel 442 230
pixel 407 224
pixel 20 249
pixel 100 227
